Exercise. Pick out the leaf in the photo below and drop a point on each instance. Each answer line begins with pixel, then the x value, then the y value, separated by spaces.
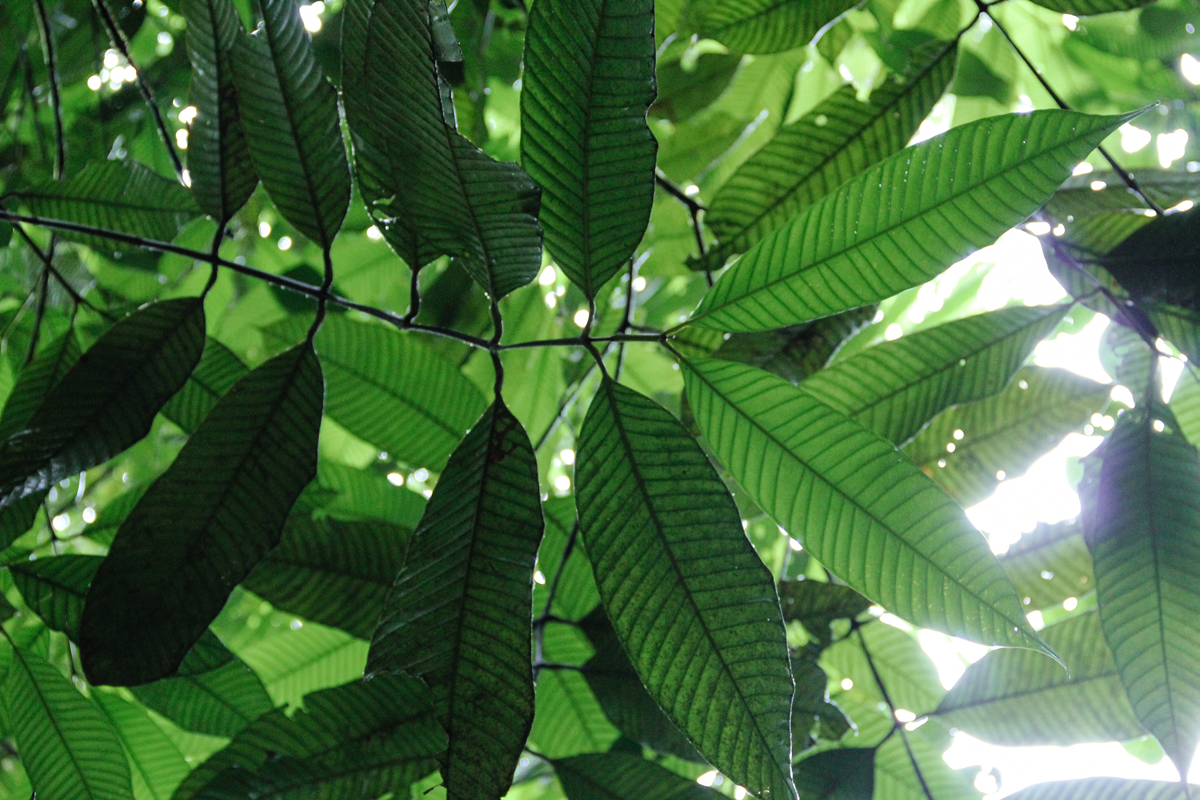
pixel 1004 434
pixel 204 523
pixel 846 773
pixel 815 605
pixel 107 400
pixel 813 715
pixel 54 588
pixel 569 720
pixel 290 116
pixel 811 157
pixel 312 657
pixel 451 198
pixel 588 83
pixel 218 702
pixel 576 594
pixel 896 779
pixel 1180 326
pixel 156 764
pixel 663 533
pixel 910 677
pixel 36 380
pixel 1020 698
pixel 797 351
pixel 1050 564
pixel 624 776
pixel 458 613
pixel 362 739
pixel 335 573
pixel 861 508
pixel 363 495
pixel 763 26
pixel 1083 8
pixel 219 369
pixel 218 157
pixel 122 196
pixel 913 215
pixel 1103 789
pixel 1154 263
pixel 66 745
pixel 1141 534
pixel 895 387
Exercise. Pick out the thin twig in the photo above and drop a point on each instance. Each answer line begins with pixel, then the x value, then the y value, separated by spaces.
pixel 60 152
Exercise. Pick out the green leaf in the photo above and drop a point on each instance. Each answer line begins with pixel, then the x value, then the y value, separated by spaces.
pixel 458 613
pixel 54 588
pixel 365 495
pixel 904 220
pixel 335 573
pixel 569 719
pixel 815 605
pixel 910 676
pixel 1103 789
pixel 219 369
pixel 624 776
pixel 1004 434
pixel 813 714
pixel 204 524
pixel 1083 8
pixel 811 157
pixel 588 83
pixel 66 745
pixel 896 779
pixel 662 532
pixel 576 594
pixel 1154 263
pixel 843 774
pixel 107 400
pixel 453 199
pixel 1180 327
pixel 896 387
pixel 36 380
pixel 1050 564
pixel 218 157
pixel 290 116
pixel 1019 697
pixel 763 26
pixel 156 764
pixel 218 702
pixel 122 196
pixel 862 508
pixel 797 351
pixel 1141 534
pixel 312 657
pixel 362 739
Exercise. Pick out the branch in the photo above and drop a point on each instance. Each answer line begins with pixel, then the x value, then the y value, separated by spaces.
pixel 60 153
pixel 694 208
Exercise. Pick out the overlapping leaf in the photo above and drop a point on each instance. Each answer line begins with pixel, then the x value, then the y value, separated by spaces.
pixel 1083 8
pixel 683 587
pixel 204 524
pixel 365 495
pixel 1050 564
pixel 589 80
pixel 306 659
pixel 290 116
pixel 569 719
pixel 218 157
pixel 815 605
pixel 107 400
pixel 219 369
pixel 1145 552
pixel 909 676
pixel 155 763
pixel 1103 789
pixel 813 714
pixel 797 351
pixel 842 774
pixel 811 157
pixel 625 776
pixel 54 588
pixel 458 613
pixel 763 26
pixel 904 220
pixel 860 507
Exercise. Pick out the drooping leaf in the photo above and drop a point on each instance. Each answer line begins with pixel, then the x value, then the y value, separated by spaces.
pixel 1102 789
pixel 797 351
pixel 290 116
pixel 335 573
pixel 204 524
pixel 1050 564
pixel 1004 434
pixel 458 613
pixel 908 674
pixel 431 189
pixel 904 220
pixel 1145 552
pixel 54 588
pixel 860 507
pixel 811 157
pixel 218 157
pixel 588 82
pixel 361 739
pixel 107 400
pixel 218 702
pixel 624 776
pixel 896 387
pixel 815 605
pixel 846 773
pixel 155 763
pixel 1019 697
pixel 66 745
pixel 662 532
pixel 763 26
pixel 219 369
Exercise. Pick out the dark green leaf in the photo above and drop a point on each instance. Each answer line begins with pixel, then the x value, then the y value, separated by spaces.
pixel 219 702
pixel 66 745
pixel 458 614
pixel 1180 327
pixel 862 509
pixel 843 774
pixel 904 220
pixel 588 82
pixel 107 400
pixel 366 495
pixel 290 115
pixel 1050 564
pixel 1019 697
pixel 815 605
pixel 218 157
pixel 155 763
pixel 1103 789
pixel 662 532
pixel 625 776
pixel 813 715
pixel 685 88
pixel 797 351
pixel 204 524
pixel 763 26
pixel 335 573
pixel 1156 261
pixel 219 369
pixel 54 588
pixel 36 380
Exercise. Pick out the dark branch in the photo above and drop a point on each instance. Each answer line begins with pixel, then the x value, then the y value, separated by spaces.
pixel 60 151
